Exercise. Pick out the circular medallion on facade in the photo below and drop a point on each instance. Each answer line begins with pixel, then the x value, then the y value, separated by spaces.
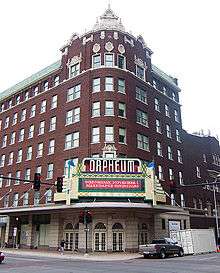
pixel 96 48
pixel 109 46
pixel 121 49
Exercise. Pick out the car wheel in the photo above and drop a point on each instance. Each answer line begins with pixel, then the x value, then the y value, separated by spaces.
pixel 146 256
pixel 162 254
pixel 180 253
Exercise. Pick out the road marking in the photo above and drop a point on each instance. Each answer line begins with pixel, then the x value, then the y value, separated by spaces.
pixel 208 258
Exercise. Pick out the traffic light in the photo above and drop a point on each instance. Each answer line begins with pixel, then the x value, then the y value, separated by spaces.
pixel 85 217
pixel 172 186
pixel 37 181
pixel 59 184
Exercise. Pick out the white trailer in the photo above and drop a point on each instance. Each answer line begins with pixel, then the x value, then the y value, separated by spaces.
pixel 195 241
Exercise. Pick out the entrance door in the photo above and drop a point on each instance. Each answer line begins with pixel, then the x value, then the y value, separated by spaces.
pixel 117 241
pixel 69 241
pixel 100 241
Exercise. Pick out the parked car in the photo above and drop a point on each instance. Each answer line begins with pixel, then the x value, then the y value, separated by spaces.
pixel 161 248
pixel 2 257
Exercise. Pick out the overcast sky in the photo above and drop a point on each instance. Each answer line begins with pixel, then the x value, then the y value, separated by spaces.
pixel 183 34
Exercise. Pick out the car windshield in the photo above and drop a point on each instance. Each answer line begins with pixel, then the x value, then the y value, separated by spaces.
pixel 159 242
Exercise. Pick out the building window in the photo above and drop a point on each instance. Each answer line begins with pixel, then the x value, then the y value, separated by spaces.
pixel 164 90
pixel 54 102
pixel 31 131
pixel 179 156
pixel 140 72
pixel 109 84
pixel 142 118
pixel 96 87
pixel 43 106
pixel 29 153
pixel 96 109
pixel 96 61
pixel 72 140
pixel 56 80
pixel 35 91
pixel 95 135
pixel 21 135
pixel 15 200
pixel 158 126
pixel 15 118
pixel 2 161
pixel 167 110
pixel 18 176
pixel 23 115
pixel 73 93
pixel 53 121
pixel 176 116
pixel 41 128
pixel 182 200
pixel 2 107
pixel 26 95
pixel 18 99
pixel 8 181
pixel 19 156
pixel 6 201
pixel 12 138
pixel 46 86
pixel 48 195
pixel 168 130
pixel 27 175
pixel 169 153
pixel 172 197
pixel 33 111
pixel 174 96
pixel 194 203
pixel 121 109
pixel 159 149
pixel 40 148
pixel 142 142
pixel 10 159
pixel 26 198
pixel 109 108
pixel 160 173
pixel 121 86
pixel 178 135
pixel 73 116
pixel 109 59
pixel 141 95
pixel 122 135
pixel 181 178
pixel 39 169
pixel 9 103
pixel 51 147
pixel 74 70
pixel 50 171
pixel 121 61
pixel 6 123
pixel 198 173
pixel 204 158
pixel 36 198
pixel 4 141
pixel 109 134
pixel 171 176
pixel 157 104
pixel 200 204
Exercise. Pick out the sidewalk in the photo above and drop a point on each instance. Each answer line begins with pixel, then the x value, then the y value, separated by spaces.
pixel 102 256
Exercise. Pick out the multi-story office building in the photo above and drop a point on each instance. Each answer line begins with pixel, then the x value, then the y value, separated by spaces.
pixel 103 98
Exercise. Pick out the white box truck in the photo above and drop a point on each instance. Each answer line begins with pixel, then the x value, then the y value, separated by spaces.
pixel 195 241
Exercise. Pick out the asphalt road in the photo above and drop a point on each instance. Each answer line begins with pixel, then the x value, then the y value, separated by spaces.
pixel 208 263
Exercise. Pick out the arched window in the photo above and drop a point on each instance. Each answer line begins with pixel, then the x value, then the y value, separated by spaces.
pixel 117 226
pixel 76 226
pixel 69 226
pixel 100 226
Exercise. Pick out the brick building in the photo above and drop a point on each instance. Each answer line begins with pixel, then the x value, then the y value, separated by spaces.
pixel 104 92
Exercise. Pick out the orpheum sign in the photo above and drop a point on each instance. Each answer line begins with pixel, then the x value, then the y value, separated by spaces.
pixel 112 165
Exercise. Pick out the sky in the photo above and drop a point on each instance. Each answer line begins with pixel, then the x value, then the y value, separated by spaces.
pixel 183 34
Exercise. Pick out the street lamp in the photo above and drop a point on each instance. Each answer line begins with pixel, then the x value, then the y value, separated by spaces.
pixel 216 176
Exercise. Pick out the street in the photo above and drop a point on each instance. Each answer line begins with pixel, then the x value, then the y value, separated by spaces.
pixel 207 263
